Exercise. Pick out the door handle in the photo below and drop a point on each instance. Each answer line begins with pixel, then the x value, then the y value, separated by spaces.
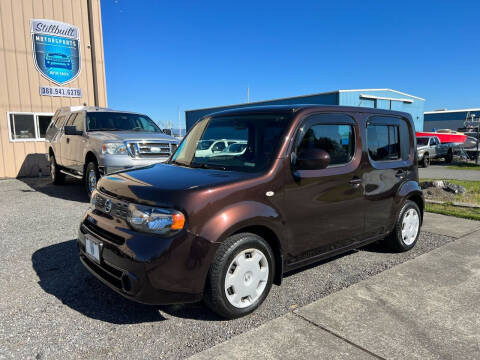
pixel 355 182
pixel 68 140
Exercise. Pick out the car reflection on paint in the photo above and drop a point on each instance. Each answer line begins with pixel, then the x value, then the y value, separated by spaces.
pixel 58 60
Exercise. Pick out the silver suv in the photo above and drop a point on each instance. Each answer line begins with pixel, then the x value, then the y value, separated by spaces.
pixel 87 142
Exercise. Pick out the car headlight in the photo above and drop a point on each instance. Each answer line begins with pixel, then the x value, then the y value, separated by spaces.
pixel 155 220
pixel 114 149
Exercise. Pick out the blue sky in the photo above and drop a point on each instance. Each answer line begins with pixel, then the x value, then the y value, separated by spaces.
pixel 165 55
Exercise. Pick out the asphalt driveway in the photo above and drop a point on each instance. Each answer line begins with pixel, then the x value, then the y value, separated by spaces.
pixel 51 307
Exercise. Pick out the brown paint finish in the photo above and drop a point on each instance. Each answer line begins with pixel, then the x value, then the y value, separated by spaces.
pixel 308 214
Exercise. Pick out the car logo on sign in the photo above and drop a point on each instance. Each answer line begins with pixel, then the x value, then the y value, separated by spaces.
pixel 108 206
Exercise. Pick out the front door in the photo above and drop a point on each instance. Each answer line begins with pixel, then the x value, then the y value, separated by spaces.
pixel 77 143
pixel 324 208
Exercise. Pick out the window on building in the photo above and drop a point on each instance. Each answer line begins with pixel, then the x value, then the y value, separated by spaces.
pixel 383 142
pixel 336 139
pixel 25 127
pixel 22 126
pixel 43 122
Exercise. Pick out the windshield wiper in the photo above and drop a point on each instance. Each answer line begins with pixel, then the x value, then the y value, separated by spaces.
pixel 104 129
pixel 208 166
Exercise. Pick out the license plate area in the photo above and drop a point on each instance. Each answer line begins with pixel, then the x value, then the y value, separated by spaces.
pixel 93 249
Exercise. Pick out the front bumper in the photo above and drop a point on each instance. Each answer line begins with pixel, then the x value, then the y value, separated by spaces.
pixel 111 163
pixel 143 267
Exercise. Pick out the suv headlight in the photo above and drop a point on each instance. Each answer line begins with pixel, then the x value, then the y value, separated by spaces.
pixel 114 149
pixel 155 220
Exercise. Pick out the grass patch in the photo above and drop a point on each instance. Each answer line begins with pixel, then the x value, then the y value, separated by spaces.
pixel 464 166
pixel 472 196
pixel 450 210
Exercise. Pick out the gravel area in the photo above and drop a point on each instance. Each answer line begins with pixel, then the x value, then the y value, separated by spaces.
pixel 51 307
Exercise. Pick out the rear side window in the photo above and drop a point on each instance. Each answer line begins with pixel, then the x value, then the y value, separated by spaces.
pixel 389 138
pixel 336 139
pixel 383 142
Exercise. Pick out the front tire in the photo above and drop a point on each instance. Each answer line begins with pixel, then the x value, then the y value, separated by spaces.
pixel 449 157
pixel 240 276
pixel 57 177
pixel 91 177
pixel 407 228
pixel 425 161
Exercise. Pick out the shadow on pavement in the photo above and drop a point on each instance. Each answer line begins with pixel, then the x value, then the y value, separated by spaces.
pixel 62 275
pixel 72 190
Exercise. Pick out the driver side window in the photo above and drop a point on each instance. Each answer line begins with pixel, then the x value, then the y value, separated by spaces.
pixel 219 146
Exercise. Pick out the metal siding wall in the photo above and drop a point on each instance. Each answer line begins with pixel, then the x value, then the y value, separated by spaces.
pixel 415 109
pixel 192 116
pixel 20 80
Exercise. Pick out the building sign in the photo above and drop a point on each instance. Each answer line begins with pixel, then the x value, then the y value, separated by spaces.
pixel 60 91
pixel 56 50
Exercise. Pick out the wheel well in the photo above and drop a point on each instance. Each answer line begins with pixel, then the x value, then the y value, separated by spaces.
pixel 90 157
pixel 417 199
pixel 272 239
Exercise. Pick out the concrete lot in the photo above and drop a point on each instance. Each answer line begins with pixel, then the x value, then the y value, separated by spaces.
pixel 426 308
pixel 439 170
pixel 51 307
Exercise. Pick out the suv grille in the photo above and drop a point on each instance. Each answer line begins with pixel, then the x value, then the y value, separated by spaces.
pixel 150 149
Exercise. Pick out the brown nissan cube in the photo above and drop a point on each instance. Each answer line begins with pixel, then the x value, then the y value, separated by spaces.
pixel 251 194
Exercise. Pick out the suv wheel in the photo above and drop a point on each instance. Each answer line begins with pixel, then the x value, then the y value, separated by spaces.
pixel 55 174
pixel 425 161
pixel 240 277
pixel 449 156
pixel 91 177
pixel 407 228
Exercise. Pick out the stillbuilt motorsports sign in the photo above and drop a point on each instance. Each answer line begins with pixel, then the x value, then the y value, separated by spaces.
pixel 56 50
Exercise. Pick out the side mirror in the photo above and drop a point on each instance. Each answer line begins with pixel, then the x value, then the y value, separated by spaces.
pixel 312 159
pixel 72 130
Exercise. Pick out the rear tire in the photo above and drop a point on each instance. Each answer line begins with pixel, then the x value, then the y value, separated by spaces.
pixel 91 177
pixel 407 228
pixel 449 157
pixel 240 276
pixel 57 177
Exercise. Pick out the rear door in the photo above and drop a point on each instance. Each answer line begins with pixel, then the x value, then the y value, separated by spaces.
pixel 324 208
pixel 390 161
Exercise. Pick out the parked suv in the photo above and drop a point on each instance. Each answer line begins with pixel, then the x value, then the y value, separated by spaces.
pixel 87 142
pixel 313 182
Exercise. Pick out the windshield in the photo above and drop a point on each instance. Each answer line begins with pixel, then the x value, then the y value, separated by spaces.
pixel 240 143
pixel 114 121
pixel 422 141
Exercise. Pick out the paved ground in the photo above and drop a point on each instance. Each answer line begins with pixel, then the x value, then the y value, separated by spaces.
pixel 51 307
pixel 426 308
pixel 440 171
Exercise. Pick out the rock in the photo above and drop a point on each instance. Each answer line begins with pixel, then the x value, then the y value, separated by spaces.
pixel 454 188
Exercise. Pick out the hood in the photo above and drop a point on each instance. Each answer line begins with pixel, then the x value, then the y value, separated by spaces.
pixel 421 147
pixel 165 184
pixel 130 135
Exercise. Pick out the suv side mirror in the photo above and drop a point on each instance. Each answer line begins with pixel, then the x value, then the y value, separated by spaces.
pixel 312 159
pixel 72 130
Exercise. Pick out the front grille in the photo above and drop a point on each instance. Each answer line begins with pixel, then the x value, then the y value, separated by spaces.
pixel 149 149
pixel 98 232
pixel 118 208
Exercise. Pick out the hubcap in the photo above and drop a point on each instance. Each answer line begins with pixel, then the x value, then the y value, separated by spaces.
pixel 246 278
pixel 410 226
pixel 92 180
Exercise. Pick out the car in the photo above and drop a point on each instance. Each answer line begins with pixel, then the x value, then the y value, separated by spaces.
pixel 58 60
pixel 314 182
pixel 87 142
pixel 235 149
pixel 210 147
pixel 430 147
